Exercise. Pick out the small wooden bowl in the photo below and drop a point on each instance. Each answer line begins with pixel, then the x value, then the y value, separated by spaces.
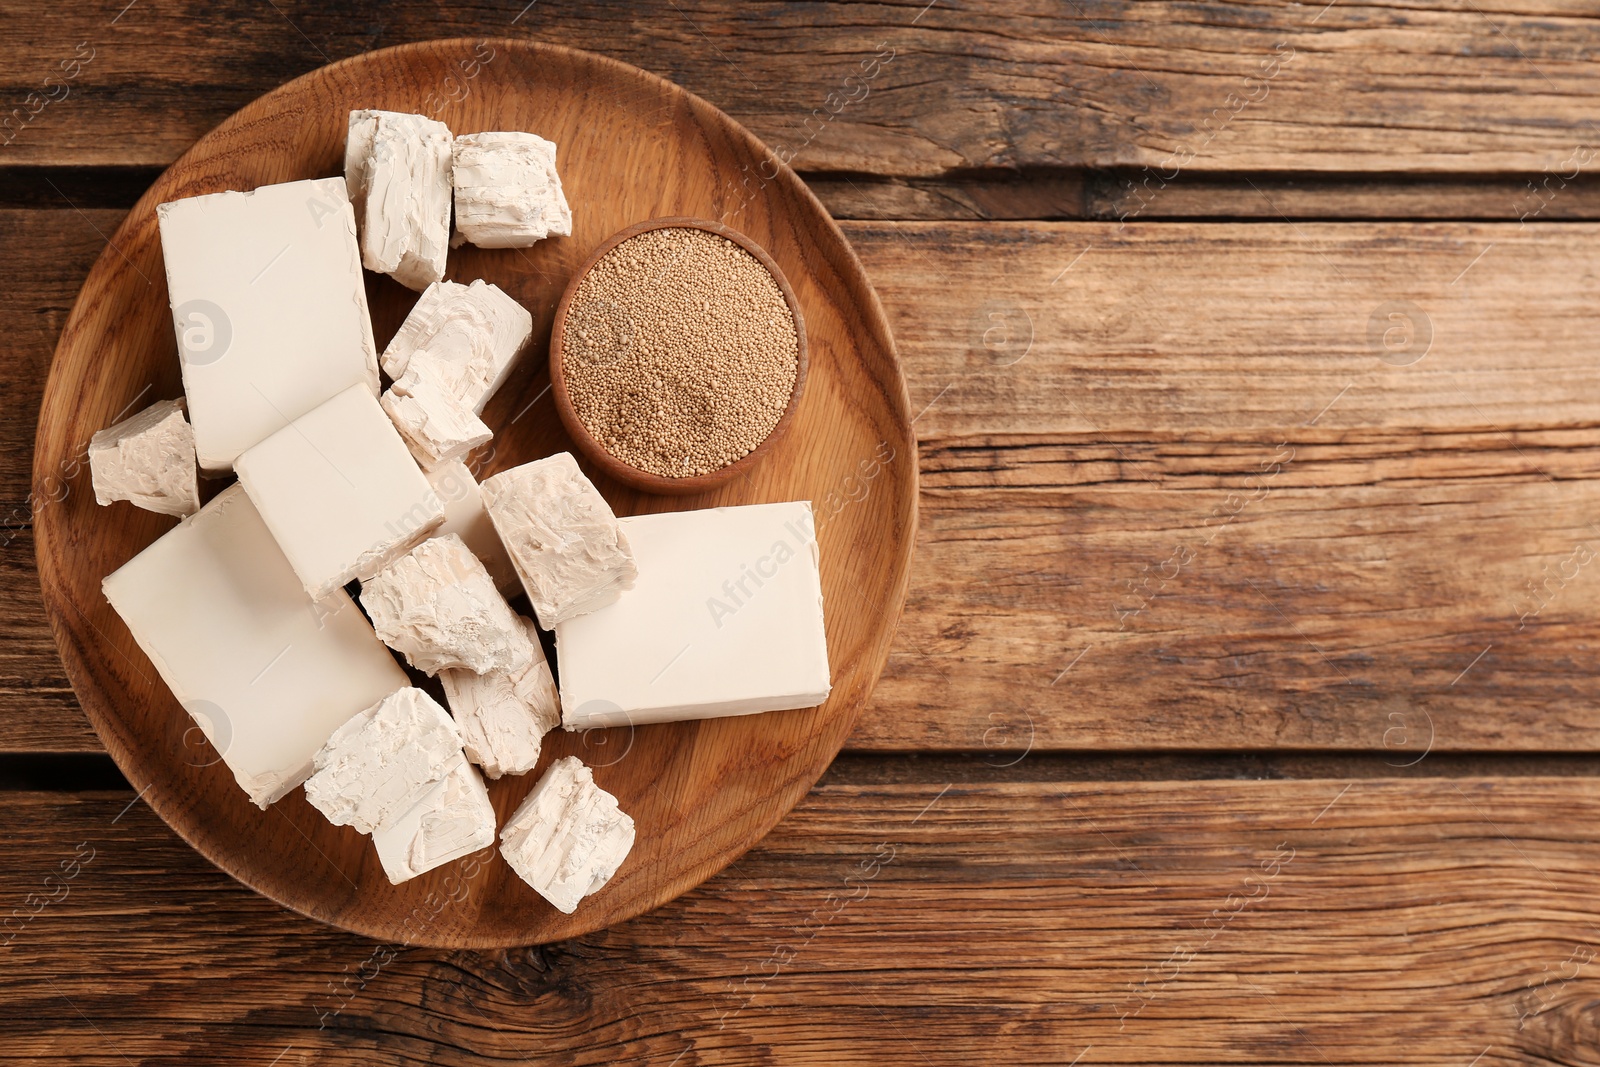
pixel 594 450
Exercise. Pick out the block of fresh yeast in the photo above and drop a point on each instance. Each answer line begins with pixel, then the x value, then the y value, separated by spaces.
pixel 340 491
pixel 267 673
pixel 269 306
pixel 568 836
pixel 725 618
pixel 453 819
pixel 397 167
pixel 383 762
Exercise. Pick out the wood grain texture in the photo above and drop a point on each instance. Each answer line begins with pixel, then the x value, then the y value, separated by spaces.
pixel 38 709
pixel 49 255
pixel 1208 476
pixel 1320 922
pixel 1424 87
pixel 699 792
pixel 1334 612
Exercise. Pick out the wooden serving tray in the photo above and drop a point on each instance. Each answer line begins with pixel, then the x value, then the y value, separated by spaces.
pixel 632 147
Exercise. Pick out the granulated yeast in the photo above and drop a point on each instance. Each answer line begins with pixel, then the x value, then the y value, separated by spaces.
pixel 679 352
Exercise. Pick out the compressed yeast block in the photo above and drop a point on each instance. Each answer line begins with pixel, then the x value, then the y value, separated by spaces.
pixel 397 167
pixel 148 460
pixel 267 673
pixel 379 765
pixel 724 619
pixel 340 491
pixel 438 607
pixel 564 539
pixel 437 427
pixel 269 307
pixel 504 715
pixel 508 194
pixel 453 819
pixel 473 333
pixel 568 837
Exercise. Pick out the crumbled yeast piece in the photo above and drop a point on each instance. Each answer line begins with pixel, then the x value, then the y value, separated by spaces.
pixel 508 194
pixel 473 332
pixel 438 606
pixel 436 426
pixel 397 167
pixel 569 550
pixel 568 837
pixel 376 767
pixel 464 516
pixel 340 491
pixel 453 819
pixel 504 715
pixel 148 460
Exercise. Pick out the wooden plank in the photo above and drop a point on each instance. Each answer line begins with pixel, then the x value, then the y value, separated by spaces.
pixel 1203 332
pixel 1208 475
pixel 38 711
pixel 1172 367
pixel 1373 922
pixel 1424 87
pixel 52 251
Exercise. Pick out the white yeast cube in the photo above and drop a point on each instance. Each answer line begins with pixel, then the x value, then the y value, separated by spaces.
pixel 376 767
pixel 340 491
pixel 438 606
pixel 453 819
pixel 474 332
pixel 504 715
pixel 563 537
pixel 397 167
pixel 436 426
pixel 269 307
pixel 148 460
pixel 508 194
pixel 465 517
pixel 268 674
pixel 568 837
pixel 725 619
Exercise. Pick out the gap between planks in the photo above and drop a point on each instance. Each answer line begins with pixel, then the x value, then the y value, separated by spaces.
pixel 1039 195
pixel 72 772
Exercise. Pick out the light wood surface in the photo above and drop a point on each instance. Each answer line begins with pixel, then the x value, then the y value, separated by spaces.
pixel 700 793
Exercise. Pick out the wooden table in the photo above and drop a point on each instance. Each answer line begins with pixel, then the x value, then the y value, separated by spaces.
pixel 1244 706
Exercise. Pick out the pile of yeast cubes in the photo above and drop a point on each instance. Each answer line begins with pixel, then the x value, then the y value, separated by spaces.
pixel 243 607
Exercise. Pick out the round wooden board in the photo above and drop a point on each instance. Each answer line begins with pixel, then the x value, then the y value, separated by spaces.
pixel 632 147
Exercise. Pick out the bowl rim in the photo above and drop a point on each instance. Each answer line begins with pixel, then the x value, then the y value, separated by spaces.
pixel 597 453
